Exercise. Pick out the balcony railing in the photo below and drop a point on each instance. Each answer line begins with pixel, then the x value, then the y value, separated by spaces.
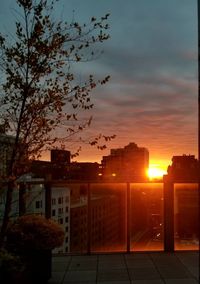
pixel 125 217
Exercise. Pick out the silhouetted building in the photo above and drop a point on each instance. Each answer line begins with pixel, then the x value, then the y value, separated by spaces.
pixel 57 168
pixel 61 168
pixel 183 169
pixel 60 156
pixel 186 211
pixel 84 171
pixel 126 164
pixel 184 174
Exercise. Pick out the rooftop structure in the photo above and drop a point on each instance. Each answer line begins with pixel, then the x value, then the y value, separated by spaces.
pixel 183 169
pixel 126 164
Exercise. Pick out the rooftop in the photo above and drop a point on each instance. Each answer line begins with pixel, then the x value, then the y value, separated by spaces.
pixel 135 268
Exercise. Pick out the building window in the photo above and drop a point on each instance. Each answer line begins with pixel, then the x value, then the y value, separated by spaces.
pixel 53 212
pixel 2 200
pixel 66 229
pixel 66 239
pixel 66 249
pixel 38 204
pixel 66 219
pixel 67 209
pixel 67 199
pixel 60 200
pixel 53 201
pixel 60 211
pixel 60 220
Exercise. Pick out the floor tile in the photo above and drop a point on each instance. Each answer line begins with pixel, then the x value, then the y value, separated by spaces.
pixel 78 282
pixel 77 264
pixel 194 270
pixel 155 281
pixel 143 273
pixel 134 268
pixel 136 255
pixel 112 275
pixel 103 265
pixel 75 276
pixel 109 257
pixel 61 259
pixel 181 281
pixel 173 271
pixel 139 262
pixel 113 282
pixel 57 277
pixel 59 266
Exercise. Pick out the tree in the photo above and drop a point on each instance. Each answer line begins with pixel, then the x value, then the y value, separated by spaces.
pixel 40 93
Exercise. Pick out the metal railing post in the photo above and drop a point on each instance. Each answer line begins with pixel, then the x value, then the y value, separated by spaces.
pixel 128 236
pixel 22 201
pixel 168 195
pixel 198 38
pixel 88 219
pixel 47 190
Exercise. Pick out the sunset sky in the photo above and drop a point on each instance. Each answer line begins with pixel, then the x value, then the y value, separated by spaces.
pixel 151 98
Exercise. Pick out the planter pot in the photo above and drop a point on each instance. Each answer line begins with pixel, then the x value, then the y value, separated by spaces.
pixel 11 268
pixel 38 265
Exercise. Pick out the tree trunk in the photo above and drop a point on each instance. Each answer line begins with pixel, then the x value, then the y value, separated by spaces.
pixel 6 212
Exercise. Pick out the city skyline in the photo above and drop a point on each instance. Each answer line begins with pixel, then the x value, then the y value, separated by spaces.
pixel 111 75
pixel 151 98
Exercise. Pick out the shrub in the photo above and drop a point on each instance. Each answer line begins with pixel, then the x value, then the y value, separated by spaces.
pixel 34 232
pixel 11 267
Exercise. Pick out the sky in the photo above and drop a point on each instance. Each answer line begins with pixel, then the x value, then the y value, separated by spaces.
pixel 151 56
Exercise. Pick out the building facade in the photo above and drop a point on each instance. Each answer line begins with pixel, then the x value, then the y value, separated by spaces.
pixel 183 169
pixel 34 200
pixel 126 164
pixel 102 227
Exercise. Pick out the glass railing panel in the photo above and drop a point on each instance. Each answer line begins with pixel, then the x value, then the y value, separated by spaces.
pixel 108 217
pixel 78 218
pixel 146 216
pixel 186 223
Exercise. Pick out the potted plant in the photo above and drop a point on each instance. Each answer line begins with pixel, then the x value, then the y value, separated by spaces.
pixel 33 237
pixel 11 268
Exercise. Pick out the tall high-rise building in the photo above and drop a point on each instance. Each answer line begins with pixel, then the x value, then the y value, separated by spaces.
pixel 126 164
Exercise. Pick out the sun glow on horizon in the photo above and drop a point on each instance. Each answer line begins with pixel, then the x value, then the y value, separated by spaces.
pixel 155 172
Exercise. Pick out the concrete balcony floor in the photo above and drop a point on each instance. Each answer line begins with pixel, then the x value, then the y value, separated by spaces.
pixel 136 268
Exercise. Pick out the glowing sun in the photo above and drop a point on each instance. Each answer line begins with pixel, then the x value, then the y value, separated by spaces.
pixel 155 173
